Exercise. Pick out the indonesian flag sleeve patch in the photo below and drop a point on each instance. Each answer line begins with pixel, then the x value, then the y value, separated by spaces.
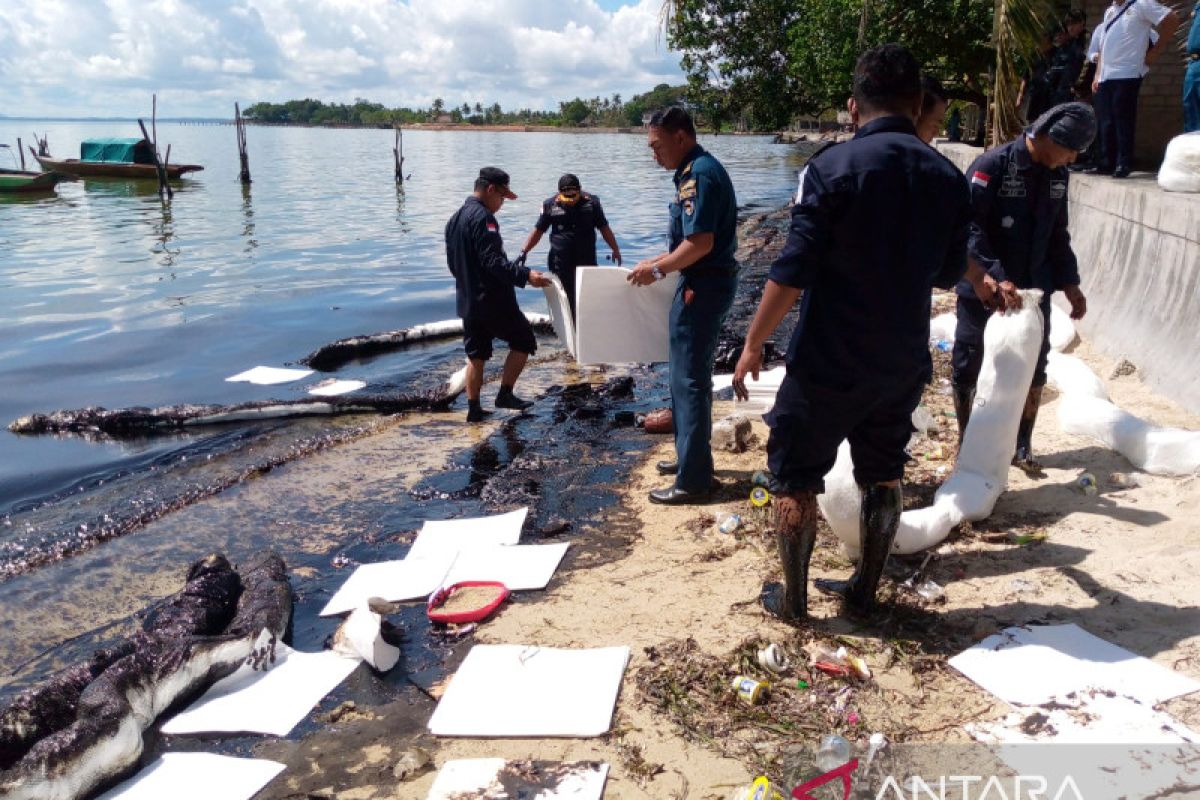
pixel 980 178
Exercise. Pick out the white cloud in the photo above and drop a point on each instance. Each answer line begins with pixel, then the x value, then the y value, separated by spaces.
pixel 58 56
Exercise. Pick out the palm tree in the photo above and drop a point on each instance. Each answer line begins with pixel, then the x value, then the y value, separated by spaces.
pixel 439 105
pixel 1017 29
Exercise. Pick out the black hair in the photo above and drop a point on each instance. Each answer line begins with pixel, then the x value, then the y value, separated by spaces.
pixel 887 78
pixel 481 184
pixel 674 119
pixel 932 92
pixel 1074 15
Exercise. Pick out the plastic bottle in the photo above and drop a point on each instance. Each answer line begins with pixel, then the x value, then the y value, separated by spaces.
pixel 728 522
pixel 832 753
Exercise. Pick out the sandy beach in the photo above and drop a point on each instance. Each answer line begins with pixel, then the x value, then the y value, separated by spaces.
pixel 684 597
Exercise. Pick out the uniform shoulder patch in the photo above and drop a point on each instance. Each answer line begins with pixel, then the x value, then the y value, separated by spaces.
pixel 689 206
pixel 687 189
pixel 980 178
pixel 493 227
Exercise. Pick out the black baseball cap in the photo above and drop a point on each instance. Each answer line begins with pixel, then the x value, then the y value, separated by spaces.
pixel 568 181
pixel 498 178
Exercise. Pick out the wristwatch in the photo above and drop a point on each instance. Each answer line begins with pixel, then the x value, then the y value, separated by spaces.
pixel 657 273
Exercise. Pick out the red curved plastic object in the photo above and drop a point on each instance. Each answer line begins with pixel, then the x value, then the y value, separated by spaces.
pixel 440 597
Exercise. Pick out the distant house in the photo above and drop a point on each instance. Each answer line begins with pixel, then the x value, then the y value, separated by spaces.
pixel 444 119
pixel 646 117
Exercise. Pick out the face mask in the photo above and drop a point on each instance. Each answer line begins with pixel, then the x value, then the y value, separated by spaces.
pixel 563 200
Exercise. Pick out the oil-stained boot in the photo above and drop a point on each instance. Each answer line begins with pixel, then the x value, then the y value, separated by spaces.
pixel 878 521
pixel 796 529
pixel 1023 457
pixel 964 399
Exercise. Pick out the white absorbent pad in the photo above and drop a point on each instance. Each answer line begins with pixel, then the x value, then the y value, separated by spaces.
pixel 271 702
pixel 1011 343
pixel 620 323
pixel 517 566
pixel 270 376
pixel 197 776
pixel 333 388
pixel 560 312
pixel 526 690
pixel 1180 170
pixel 762 391
pixel 497 779
pixel 409 578
pixel 452 535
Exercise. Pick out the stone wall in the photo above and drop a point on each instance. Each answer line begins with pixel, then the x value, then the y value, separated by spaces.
pixel 1160 104
pixel 1139 261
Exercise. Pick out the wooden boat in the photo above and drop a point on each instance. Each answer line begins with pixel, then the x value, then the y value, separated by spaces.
pixel 14 180
pixel 114 158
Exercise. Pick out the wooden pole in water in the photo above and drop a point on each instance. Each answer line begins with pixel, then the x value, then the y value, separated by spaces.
pixel 243 156
pixel 398 154
pixel 162 173
pixel 21 151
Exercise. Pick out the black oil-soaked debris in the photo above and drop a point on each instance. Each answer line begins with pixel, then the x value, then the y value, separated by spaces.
pixel 337 354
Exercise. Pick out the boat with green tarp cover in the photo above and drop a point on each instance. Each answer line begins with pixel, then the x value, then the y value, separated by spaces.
pixel 15 180
pixel 114 158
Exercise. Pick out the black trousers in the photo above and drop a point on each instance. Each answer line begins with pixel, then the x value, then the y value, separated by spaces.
pixel 1116 104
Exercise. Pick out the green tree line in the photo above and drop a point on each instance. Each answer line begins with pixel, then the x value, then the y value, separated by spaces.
pixel 596 111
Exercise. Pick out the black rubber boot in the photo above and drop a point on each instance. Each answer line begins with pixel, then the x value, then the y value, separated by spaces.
pixel 506 399
pixel 796 529
pixel 475 412
pixel 964 399
pixel 878 522
pixel 1023 457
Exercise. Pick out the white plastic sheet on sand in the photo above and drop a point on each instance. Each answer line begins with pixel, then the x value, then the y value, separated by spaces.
pixel 619 323
pixel 197 776
pixel 1180 170
pixel 526 690
pixel 269 376
pixel 762 391
pixel 1011 344
pixel 361 636
pixel 560 312
pixel 480 778
pixel 271 702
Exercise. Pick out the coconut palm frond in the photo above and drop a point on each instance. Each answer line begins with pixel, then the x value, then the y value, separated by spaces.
pixel 1017 30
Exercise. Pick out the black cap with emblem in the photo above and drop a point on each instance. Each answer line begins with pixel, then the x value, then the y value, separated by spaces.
pixel 568 181
pixel 498 178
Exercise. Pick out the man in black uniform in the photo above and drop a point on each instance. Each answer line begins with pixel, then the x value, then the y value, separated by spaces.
pixel 1019 235
pixel 572 216
pixel 880 221
pixel 484 280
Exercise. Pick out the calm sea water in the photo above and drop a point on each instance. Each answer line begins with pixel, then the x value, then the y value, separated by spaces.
pixel 113 298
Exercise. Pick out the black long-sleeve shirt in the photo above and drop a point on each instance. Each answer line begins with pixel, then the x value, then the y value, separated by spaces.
pixel 484 279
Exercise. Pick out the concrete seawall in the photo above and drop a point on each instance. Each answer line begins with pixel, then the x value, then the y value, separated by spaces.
pixel 1139 260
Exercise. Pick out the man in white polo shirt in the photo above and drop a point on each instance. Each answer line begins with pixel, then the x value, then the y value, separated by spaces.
pixel 1125 57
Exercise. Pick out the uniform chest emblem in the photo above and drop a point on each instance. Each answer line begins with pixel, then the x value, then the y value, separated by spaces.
pixel 1058 190
pixel 557 212
pixel 1014 184
pixel 1007 222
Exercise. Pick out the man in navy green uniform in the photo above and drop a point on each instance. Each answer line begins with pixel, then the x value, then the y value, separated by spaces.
pixel 880 221
pixel 1019 235
pixel 484 283
pixel 572 216
pixel 702 242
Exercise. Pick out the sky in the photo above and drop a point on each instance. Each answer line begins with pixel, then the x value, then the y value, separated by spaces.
pixel 61 58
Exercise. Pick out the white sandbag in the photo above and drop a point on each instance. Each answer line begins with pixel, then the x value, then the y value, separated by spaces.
pixel 1069 375
pixel 1011 344
pixel 1180 170
pixel 1159 451
pixel 1062 329
pixel 361 636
